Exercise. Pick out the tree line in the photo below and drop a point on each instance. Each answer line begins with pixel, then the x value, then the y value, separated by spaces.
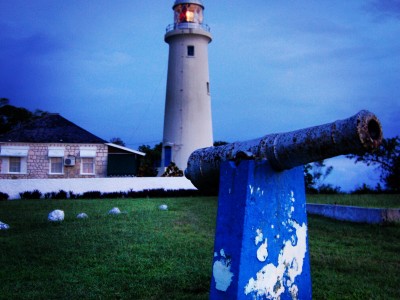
pixel 386 159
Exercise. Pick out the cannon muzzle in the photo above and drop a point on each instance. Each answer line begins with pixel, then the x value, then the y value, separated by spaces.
pixel 355 135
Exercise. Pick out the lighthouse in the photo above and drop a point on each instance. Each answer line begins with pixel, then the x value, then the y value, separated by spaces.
pixel 187 117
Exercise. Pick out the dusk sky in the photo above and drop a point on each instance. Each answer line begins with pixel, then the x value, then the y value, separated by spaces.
pixel 275 66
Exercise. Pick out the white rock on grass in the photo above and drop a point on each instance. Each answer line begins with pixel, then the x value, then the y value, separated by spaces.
pixel 114 211
pixel 56 216
pixel 4 226
pixel 163 207
pixel 82 216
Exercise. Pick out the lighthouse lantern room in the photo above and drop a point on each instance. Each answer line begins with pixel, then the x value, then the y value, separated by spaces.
pixel 188 12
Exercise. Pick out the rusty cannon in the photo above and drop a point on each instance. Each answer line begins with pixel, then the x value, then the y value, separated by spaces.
pixel 355 135
pixel 261 237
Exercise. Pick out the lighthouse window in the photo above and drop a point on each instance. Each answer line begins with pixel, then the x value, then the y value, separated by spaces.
pixel 190 50
pixel 167 155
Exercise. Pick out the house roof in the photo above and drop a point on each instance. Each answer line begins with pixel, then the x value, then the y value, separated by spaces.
pixel 125 149
pixel 51 128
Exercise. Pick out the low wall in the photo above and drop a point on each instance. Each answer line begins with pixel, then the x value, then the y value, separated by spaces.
pixel 355 214
pixel 105 185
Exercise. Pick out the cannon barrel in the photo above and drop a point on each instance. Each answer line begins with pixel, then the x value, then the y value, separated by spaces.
pixel 355 135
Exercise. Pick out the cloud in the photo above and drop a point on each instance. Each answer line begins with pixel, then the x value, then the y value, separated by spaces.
pixel 15 42
pixel 28 59
pixel 349 175
pixel 106 60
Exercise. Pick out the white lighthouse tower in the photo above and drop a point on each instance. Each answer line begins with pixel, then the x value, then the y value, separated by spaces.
pixel 187 118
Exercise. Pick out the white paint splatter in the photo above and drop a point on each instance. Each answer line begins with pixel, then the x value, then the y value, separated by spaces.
pixel 222 272
pixel 292 196
pixel 294 253
pixel 294 291
pixel 271 280
pixel 266 284
pixel 292 199
pixel 259 237
pixel 258 191
pixel 262 252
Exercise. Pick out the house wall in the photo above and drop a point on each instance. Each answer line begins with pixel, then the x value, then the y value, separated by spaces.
pixel 38 161
pixel 126 164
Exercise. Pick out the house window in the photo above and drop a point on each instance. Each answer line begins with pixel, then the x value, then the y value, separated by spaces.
pixel 88 158
pixel 14 159
pixel 208 88
pixel 56 165
pixel 87 165
pixel 190 50
pixel 14 165
pixel 56 158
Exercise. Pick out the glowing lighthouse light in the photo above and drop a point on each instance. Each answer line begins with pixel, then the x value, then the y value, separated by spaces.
pixel 188 12
pixel 187 118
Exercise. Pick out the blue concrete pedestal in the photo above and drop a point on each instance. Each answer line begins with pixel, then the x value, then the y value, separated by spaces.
pixel 261 243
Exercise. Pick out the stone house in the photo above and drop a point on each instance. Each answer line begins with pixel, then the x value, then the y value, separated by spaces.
pixel 54 147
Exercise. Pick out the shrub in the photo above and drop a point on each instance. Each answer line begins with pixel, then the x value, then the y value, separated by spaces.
pixel 114 195
pixel 36 194
pixel 364 189
pixel 61 194
pixel 4 196
pixel 91 195
pixel 329 189
pixel 149 193
pixel 72 195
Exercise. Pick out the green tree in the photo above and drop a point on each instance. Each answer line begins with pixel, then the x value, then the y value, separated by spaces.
pixel 386 159
pixel 11 117
pixel 117 141
pixel 4 101
pixel 314 175
pixel 151 162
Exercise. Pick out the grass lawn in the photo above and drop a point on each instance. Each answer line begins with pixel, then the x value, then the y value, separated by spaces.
pixel 146 253
pixel 378 200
